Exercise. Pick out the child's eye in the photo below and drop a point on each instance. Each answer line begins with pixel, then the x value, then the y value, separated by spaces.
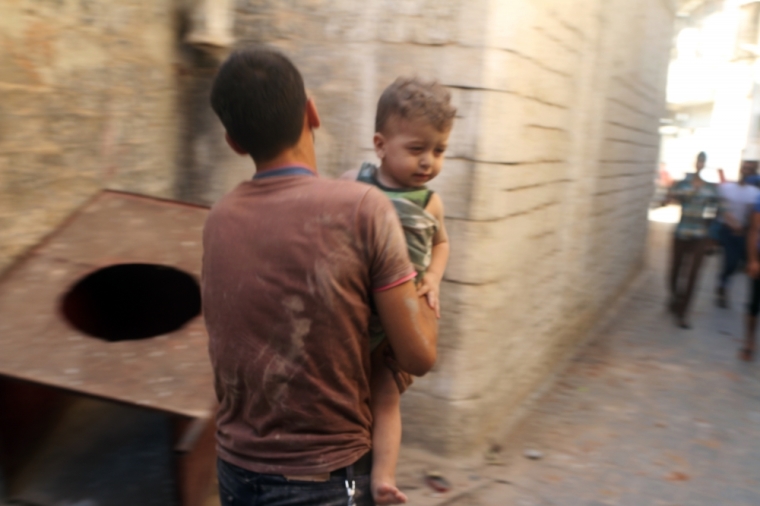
pixel 415 149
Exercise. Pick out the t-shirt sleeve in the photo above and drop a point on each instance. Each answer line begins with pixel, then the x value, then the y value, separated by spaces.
pixel 756 207
pixel 385 246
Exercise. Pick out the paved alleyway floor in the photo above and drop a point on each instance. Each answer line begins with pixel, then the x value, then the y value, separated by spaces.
pixel 645 414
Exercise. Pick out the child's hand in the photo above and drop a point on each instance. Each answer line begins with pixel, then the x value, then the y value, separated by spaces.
pixel 430 287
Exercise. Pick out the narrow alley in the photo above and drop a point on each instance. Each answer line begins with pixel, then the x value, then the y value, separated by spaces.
pixel 645 414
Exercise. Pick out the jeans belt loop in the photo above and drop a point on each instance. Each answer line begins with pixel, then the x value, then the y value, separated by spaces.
pixel 350 485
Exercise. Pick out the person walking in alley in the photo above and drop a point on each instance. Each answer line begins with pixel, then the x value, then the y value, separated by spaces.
pixel 737 202
pixel 699 202
pixel 747 351
pixel 290 264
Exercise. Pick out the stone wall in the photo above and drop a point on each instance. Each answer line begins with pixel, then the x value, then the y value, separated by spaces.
pixel 561 166
pixel 547 180
pixel 546 184
pixel 88 101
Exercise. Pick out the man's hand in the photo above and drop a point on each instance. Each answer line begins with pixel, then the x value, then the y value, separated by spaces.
pixel 734 224
pixel 411 327
pixel 753 268
pixel 430 288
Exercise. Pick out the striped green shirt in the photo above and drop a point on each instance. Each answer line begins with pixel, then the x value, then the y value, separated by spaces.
pixel 699 206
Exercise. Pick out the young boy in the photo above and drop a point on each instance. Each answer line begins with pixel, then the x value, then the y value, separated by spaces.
pixel 412 127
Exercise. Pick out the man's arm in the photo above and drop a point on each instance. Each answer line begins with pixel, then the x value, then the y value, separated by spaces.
pixel 725 215
pixel 676 193
pixel 410 325
pixel 350 175
pixel 753 265
pixel 408 322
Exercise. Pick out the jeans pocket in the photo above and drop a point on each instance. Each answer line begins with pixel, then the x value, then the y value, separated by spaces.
pixel 234 486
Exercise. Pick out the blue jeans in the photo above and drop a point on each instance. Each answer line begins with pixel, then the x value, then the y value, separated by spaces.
pixel 240 487
pixel 734 252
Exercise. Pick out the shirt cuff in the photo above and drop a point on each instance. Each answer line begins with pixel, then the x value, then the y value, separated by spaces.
pixel 396 283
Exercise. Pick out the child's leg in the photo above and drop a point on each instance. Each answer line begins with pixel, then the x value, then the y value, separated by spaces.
pixel 386 431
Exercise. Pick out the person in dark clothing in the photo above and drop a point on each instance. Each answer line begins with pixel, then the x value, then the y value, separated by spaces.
pixel 699 202
pixel 737 202
pixel 291 262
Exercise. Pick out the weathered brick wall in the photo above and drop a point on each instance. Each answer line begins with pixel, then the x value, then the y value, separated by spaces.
pixel 87 100
pixel 561 169
pixel 547 179
pixel 546 184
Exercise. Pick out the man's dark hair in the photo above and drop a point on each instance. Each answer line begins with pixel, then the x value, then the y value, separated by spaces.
pixel 702 156
pixel 260 99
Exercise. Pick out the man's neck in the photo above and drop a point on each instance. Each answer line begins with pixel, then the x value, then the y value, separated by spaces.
pixel 300 155
pixel 287 159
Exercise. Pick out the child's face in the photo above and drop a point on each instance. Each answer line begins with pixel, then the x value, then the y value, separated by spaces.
pixel 411 152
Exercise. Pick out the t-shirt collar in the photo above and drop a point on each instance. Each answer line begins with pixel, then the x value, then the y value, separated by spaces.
pixel 285 170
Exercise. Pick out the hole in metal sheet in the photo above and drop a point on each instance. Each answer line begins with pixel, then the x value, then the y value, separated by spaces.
pixel 132 301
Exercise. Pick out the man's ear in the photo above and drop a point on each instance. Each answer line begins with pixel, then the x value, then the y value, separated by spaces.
pixel 379 140
pixel 234 145
pixel 312 116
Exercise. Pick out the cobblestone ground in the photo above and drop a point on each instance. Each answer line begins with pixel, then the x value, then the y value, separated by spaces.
pixel 647 414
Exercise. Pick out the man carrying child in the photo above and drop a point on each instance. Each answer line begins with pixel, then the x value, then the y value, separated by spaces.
pixel 291 263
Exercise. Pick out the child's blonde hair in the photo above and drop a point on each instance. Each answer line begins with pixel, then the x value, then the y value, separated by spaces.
pixel 412 98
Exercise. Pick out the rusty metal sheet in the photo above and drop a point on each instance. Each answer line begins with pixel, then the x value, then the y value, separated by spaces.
pixel 170 372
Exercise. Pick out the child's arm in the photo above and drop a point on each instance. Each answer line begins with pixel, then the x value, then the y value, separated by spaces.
pixel 351 175
pixel 431 283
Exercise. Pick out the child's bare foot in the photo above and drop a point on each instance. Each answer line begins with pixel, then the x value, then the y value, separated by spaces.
pixel 385 492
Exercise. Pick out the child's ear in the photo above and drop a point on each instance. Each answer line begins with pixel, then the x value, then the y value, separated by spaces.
pixel 379 142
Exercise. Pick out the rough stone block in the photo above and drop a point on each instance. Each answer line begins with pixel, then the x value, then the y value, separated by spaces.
pixel 510 26
pixel 454 185
pixel 506 71
pixel 544 145
pixel 551 87
pixel 485 252
pixel 469 23
pixel 501 124
pixel 418 21
pixel 461 66
pixel 493 182
pixel 465 133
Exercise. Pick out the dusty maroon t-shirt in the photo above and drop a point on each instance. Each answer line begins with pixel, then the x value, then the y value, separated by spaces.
pixel 289 266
